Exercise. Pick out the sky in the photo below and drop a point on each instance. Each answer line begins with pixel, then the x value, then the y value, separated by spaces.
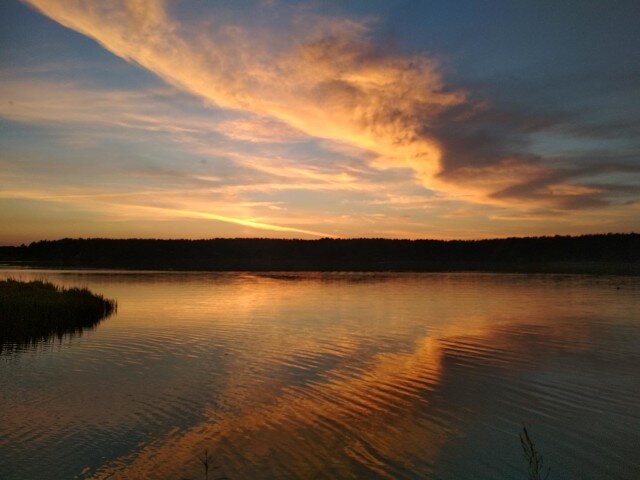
pixel 273 118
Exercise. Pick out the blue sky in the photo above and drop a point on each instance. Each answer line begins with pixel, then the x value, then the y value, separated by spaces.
pixel 179 119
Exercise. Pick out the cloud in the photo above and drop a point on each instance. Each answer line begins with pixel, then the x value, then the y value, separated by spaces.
pixel 259 130
pixel 85 109
pixel 332 83
pixel 54 102
pixel 327 79
pixel 137 205
pixel 562 185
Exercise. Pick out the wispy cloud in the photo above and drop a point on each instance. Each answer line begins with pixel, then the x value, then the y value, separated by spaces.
pixel 133 205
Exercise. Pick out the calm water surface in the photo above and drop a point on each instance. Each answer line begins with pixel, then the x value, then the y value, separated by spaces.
pixel 330 376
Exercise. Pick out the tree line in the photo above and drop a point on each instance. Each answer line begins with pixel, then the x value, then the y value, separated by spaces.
pixel 604 253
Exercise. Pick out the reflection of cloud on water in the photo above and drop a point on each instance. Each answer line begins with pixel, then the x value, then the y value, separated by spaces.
pixel 401 410
pixel 370 415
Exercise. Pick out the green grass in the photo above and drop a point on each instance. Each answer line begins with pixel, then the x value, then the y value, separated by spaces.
pixel 31 311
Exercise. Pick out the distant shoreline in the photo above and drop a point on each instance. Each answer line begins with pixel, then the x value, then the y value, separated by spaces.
pixel 617 254
pixel 608 254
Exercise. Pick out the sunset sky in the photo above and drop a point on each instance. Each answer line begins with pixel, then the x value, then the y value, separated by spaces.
pixel 269 118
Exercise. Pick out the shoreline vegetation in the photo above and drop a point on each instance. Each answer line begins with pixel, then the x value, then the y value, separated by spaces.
pixel 613 253
pixel 36 310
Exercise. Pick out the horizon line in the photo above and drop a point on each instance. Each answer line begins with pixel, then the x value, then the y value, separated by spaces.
pixel 328 238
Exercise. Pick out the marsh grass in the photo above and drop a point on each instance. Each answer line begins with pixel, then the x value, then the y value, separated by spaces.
pixel 36 310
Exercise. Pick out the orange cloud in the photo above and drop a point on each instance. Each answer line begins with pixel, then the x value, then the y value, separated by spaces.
pixel 364 398
pixel 259 130
pixel 333 84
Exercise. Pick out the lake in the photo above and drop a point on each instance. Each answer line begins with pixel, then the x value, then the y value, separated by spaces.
pixel 330 376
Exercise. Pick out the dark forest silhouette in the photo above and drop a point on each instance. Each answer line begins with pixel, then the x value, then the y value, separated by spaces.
pixel 607 253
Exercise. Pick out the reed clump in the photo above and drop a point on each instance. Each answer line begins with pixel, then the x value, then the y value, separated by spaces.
pixel 30 311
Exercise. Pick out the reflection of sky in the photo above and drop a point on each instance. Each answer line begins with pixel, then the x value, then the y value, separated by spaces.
pixel 396 119
pixel 332 375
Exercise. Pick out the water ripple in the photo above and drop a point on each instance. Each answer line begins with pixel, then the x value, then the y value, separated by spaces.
pixel 330 376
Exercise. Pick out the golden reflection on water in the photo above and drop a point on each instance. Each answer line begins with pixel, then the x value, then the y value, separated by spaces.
pixel 326 376
pixel 378 403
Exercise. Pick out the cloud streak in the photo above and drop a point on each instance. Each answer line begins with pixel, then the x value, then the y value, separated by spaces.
pixel 136 205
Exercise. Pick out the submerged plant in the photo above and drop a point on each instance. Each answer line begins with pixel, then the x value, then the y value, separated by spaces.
pixel 536 468
pixel 205 460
